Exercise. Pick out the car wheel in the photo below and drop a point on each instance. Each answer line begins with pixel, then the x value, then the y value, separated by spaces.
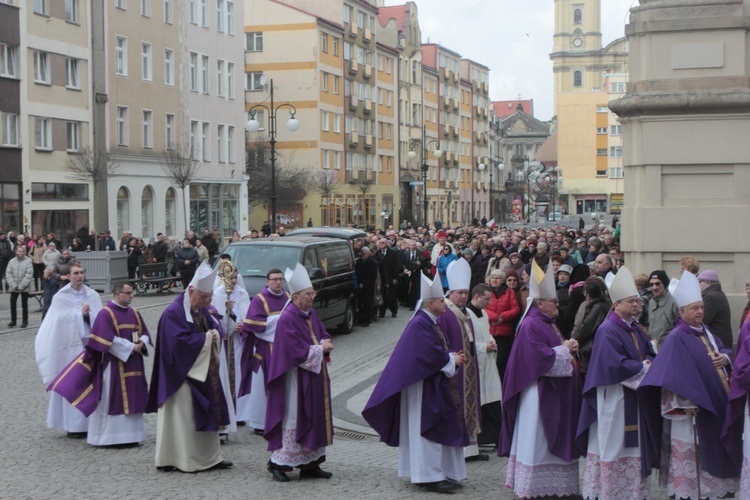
pixel 346 326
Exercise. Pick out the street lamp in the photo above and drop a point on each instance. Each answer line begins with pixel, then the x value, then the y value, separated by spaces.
pixel 487 162
pixel 552 176
pixel 292 125
pixel 385 216
pixel 425 167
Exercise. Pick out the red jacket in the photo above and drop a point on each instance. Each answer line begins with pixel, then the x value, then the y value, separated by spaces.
pixel 506 306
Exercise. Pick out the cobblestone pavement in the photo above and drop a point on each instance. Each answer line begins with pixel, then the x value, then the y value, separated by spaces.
pixel 40 463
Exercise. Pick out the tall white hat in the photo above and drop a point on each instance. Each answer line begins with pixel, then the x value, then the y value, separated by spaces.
pixel 622 285
pixel 298 279
pixel 687 290
pixel 203 279
pixel 430 289
pixel 459 275
pixel 541 284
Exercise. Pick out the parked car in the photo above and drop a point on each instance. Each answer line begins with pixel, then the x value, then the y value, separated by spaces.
pixel 344 233
pixel 329 263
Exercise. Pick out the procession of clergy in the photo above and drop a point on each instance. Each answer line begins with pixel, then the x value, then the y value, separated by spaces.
pixel 221 358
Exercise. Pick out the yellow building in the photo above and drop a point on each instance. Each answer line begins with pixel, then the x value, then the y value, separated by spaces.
pixel 586 77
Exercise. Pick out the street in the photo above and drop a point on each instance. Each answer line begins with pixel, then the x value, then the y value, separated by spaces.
pixel 41 463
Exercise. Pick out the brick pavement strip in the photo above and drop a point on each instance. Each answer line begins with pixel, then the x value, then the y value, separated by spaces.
pixel 37 462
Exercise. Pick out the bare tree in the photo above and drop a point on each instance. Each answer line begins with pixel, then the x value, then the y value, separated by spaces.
pixel 94 165
pixel 181 168
pixel 363 185
pixel 325 183
pixel 290 179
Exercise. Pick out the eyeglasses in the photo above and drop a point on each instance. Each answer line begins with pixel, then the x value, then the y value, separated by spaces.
pixel 657 285
pixel 511 279
pixel 127 293
pixel 275 279
pixel 309 294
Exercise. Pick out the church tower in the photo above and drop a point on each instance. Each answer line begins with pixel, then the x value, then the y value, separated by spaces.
pixel 577 46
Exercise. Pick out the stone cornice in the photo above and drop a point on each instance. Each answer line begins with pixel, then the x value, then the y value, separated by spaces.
pixel 685 103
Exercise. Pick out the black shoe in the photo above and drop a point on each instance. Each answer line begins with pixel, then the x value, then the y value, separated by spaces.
pixel 258 432
pixel 278 475
pixel 24 324
pixel 316 473
pixel 11 324
pixel 482 457
pixel 77 435
pixel 365 324
pixel 241 423
pixel 393 315
pixel 381 315
pixel 447 487
pixel 224 464
pixel 166 468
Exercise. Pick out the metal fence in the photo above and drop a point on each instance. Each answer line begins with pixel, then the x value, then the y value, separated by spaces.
pixel 103 269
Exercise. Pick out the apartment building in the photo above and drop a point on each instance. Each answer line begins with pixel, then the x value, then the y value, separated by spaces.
pixel 11 176
pixel 174 91
pixel 475 141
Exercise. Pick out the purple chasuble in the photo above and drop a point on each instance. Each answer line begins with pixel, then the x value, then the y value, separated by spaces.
pixel 684 367
pixel 256 352
pixel 619 349
pixel 296 332
pixel 420 354
pixel 559 397
pixel 734 421
pixel 178 344
pixel 470 399
pixel 81 381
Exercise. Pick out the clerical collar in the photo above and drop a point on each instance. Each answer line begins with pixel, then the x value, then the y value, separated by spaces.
pixel 696 328
pixel 432 316
pixel 124 308
pixel 477 312
pixel 280 294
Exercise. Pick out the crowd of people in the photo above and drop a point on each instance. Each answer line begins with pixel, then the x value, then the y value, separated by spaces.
pixel 538 342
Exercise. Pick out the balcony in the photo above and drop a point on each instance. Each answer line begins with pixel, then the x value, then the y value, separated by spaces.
pixel 353 66
pixel 446 129
pixel 446 102
pixel 478 136
pixel 366 35
pixel 485 87
pixel 477 86
pixel 454 130
pixel 367 71
pixel 367 108
pixel 353 102
pixel 353 139
pixel 478 110
pixel 368 141
pixel 455 77
pixel 446 73
pixel 353 30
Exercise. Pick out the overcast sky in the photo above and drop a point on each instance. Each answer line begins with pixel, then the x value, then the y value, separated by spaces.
pixel 512 37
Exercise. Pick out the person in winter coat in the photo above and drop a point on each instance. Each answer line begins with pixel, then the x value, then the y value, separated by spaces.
pixel 503 311
pixel 497 262
pixel 187 261
pixel 36 253
pixel 591 314
pixel 18 275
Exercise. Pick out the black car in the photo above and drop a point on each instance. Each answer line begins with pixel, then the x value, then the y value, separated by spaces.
pixel 329 263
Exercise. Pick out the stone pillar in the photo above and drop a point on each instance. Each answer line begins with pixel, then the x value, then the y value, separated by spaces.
pixel 686 140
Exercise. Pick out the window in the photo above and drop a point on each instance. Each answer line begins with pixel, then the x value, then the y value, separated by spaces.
pixel 254 41
pixel 41 67
pixel 324 42
pixel 146 8
pixel 336 84
pixel 193 71
pixel 577 78
pixel 7 60
pixel 10 129
pixel 617 87
pixel 146 61
pixel 337 123
pixel 601 130
pixel 324 81
pixel 601 152
pixel 230 144
pixel 220 140
pixel 616 173
pixel 325 119
pixel 337 160
pixel 74 136
pixel 615 129
pixel 121 56
pixel 121 4
pixel 230 18
pixel 601 173
pixel 122 126
pixel 260 116
pixel 520 150
pixel 220 74
pixel 577 16
pixel 168 67
pixel 194 140
pixel 204 74
pixel 388 65
pixel 193 11
pixel 230 80
pixel 148 140
pixel 220 15
pixel 253 81
pixel 326 159
pixel 168 11
pixel 53 191
pixel 43 134
pixel 205 142
pixel 335 46
pixel 602 109
pixel 40 7
pixel 615 151
pixel 204 13
pixel 169 132
pixel 71 11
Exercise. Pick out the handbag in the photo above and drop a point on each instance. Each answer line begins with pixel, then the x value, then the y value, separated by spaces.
pixel 378 298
